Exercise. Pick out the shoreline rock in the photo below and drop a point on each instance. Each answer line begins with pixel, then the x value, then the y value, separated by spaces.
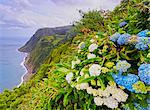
pixel 28 74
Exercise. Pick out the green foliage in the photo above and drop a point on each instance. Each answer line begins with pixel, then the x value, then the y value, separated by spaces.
pixel 132 11
pixel 91 20
pixel 45 50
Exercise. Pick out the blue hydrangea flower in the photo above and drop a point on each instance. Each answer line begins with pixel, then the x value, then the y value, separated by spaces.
pixel 115 37
pixel 123 39
pixel 122 24
pixel 144 73
pixel 126 81
pixel 143 43
pixel 143 33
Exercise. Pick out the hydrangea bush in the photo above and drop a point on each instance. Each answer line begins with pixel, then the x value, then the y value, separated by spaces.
pixel 114 70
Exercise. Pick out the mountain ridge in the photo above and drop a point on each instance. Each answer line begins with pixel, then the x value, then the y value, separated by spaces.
pixel 30 44
pixel 41 45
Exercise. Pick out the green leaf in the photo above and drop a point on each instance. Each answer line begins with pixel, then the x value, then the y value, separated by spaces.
pixel 58 97
pixel 66 100
pixel 87 79
pixel 109 78
pixel 88 61
pixel 101 83
pixel 89 101
pixel 65 65
pixel 63 70
pixel 75 106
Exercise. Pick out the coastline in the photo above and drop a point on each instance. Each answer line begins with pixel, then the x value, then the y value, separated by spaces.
pixel 27 75
pixel 26 71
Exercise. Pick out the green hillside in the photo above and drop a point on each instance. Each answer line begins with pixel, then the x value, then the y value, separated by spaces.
pixel 65 79
pixel 43 50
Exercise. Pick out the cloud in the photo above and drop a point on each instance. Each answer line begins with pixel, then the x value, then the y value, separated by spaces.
pixel 47 13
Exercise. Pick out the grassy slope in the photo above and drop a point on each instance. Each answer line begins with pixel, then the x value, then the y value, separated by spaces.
pixel 43 50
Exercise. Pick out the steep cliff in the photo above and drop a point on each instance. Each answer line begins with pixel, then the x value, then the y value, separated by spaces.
pixel 42 43
pixel 29 46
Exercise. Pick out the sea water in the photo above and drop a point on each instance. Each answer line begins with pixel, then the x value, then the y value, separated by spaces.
pixel 11 69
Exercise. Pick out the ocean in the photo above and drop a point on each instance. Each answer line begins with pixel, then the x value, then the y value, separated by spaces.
pixel 11 69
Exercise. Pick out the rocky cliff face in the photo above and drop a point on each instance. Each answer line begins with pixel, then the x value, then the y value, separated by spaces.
pixel 30 45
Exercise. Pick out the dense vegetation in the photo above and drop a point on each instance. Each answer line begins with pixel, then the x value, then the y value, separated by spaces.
pixel 43 50
pixel 48 88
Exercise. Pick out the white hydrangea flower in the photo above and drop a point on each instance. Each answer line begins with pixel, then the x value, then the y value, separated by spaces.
pixel 82 86
pixel 111 89
pixel 90 55
pixel 120 95
pixel 89 90
pixel 100 92
pixel 117 93
pixel 74 63
pixel 92 40
pixel 92 47
pixel 78 61
pixel 106 93
pixel 95 92
pixel 77 86
pixel 81 73
pixel 81 45
pixel 95 70
pixel 98 101
pixel 110 102
pixel 69 77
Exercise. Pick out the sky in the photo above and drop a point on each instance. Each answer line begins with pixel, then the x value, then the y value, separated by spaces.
pixel 23 17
